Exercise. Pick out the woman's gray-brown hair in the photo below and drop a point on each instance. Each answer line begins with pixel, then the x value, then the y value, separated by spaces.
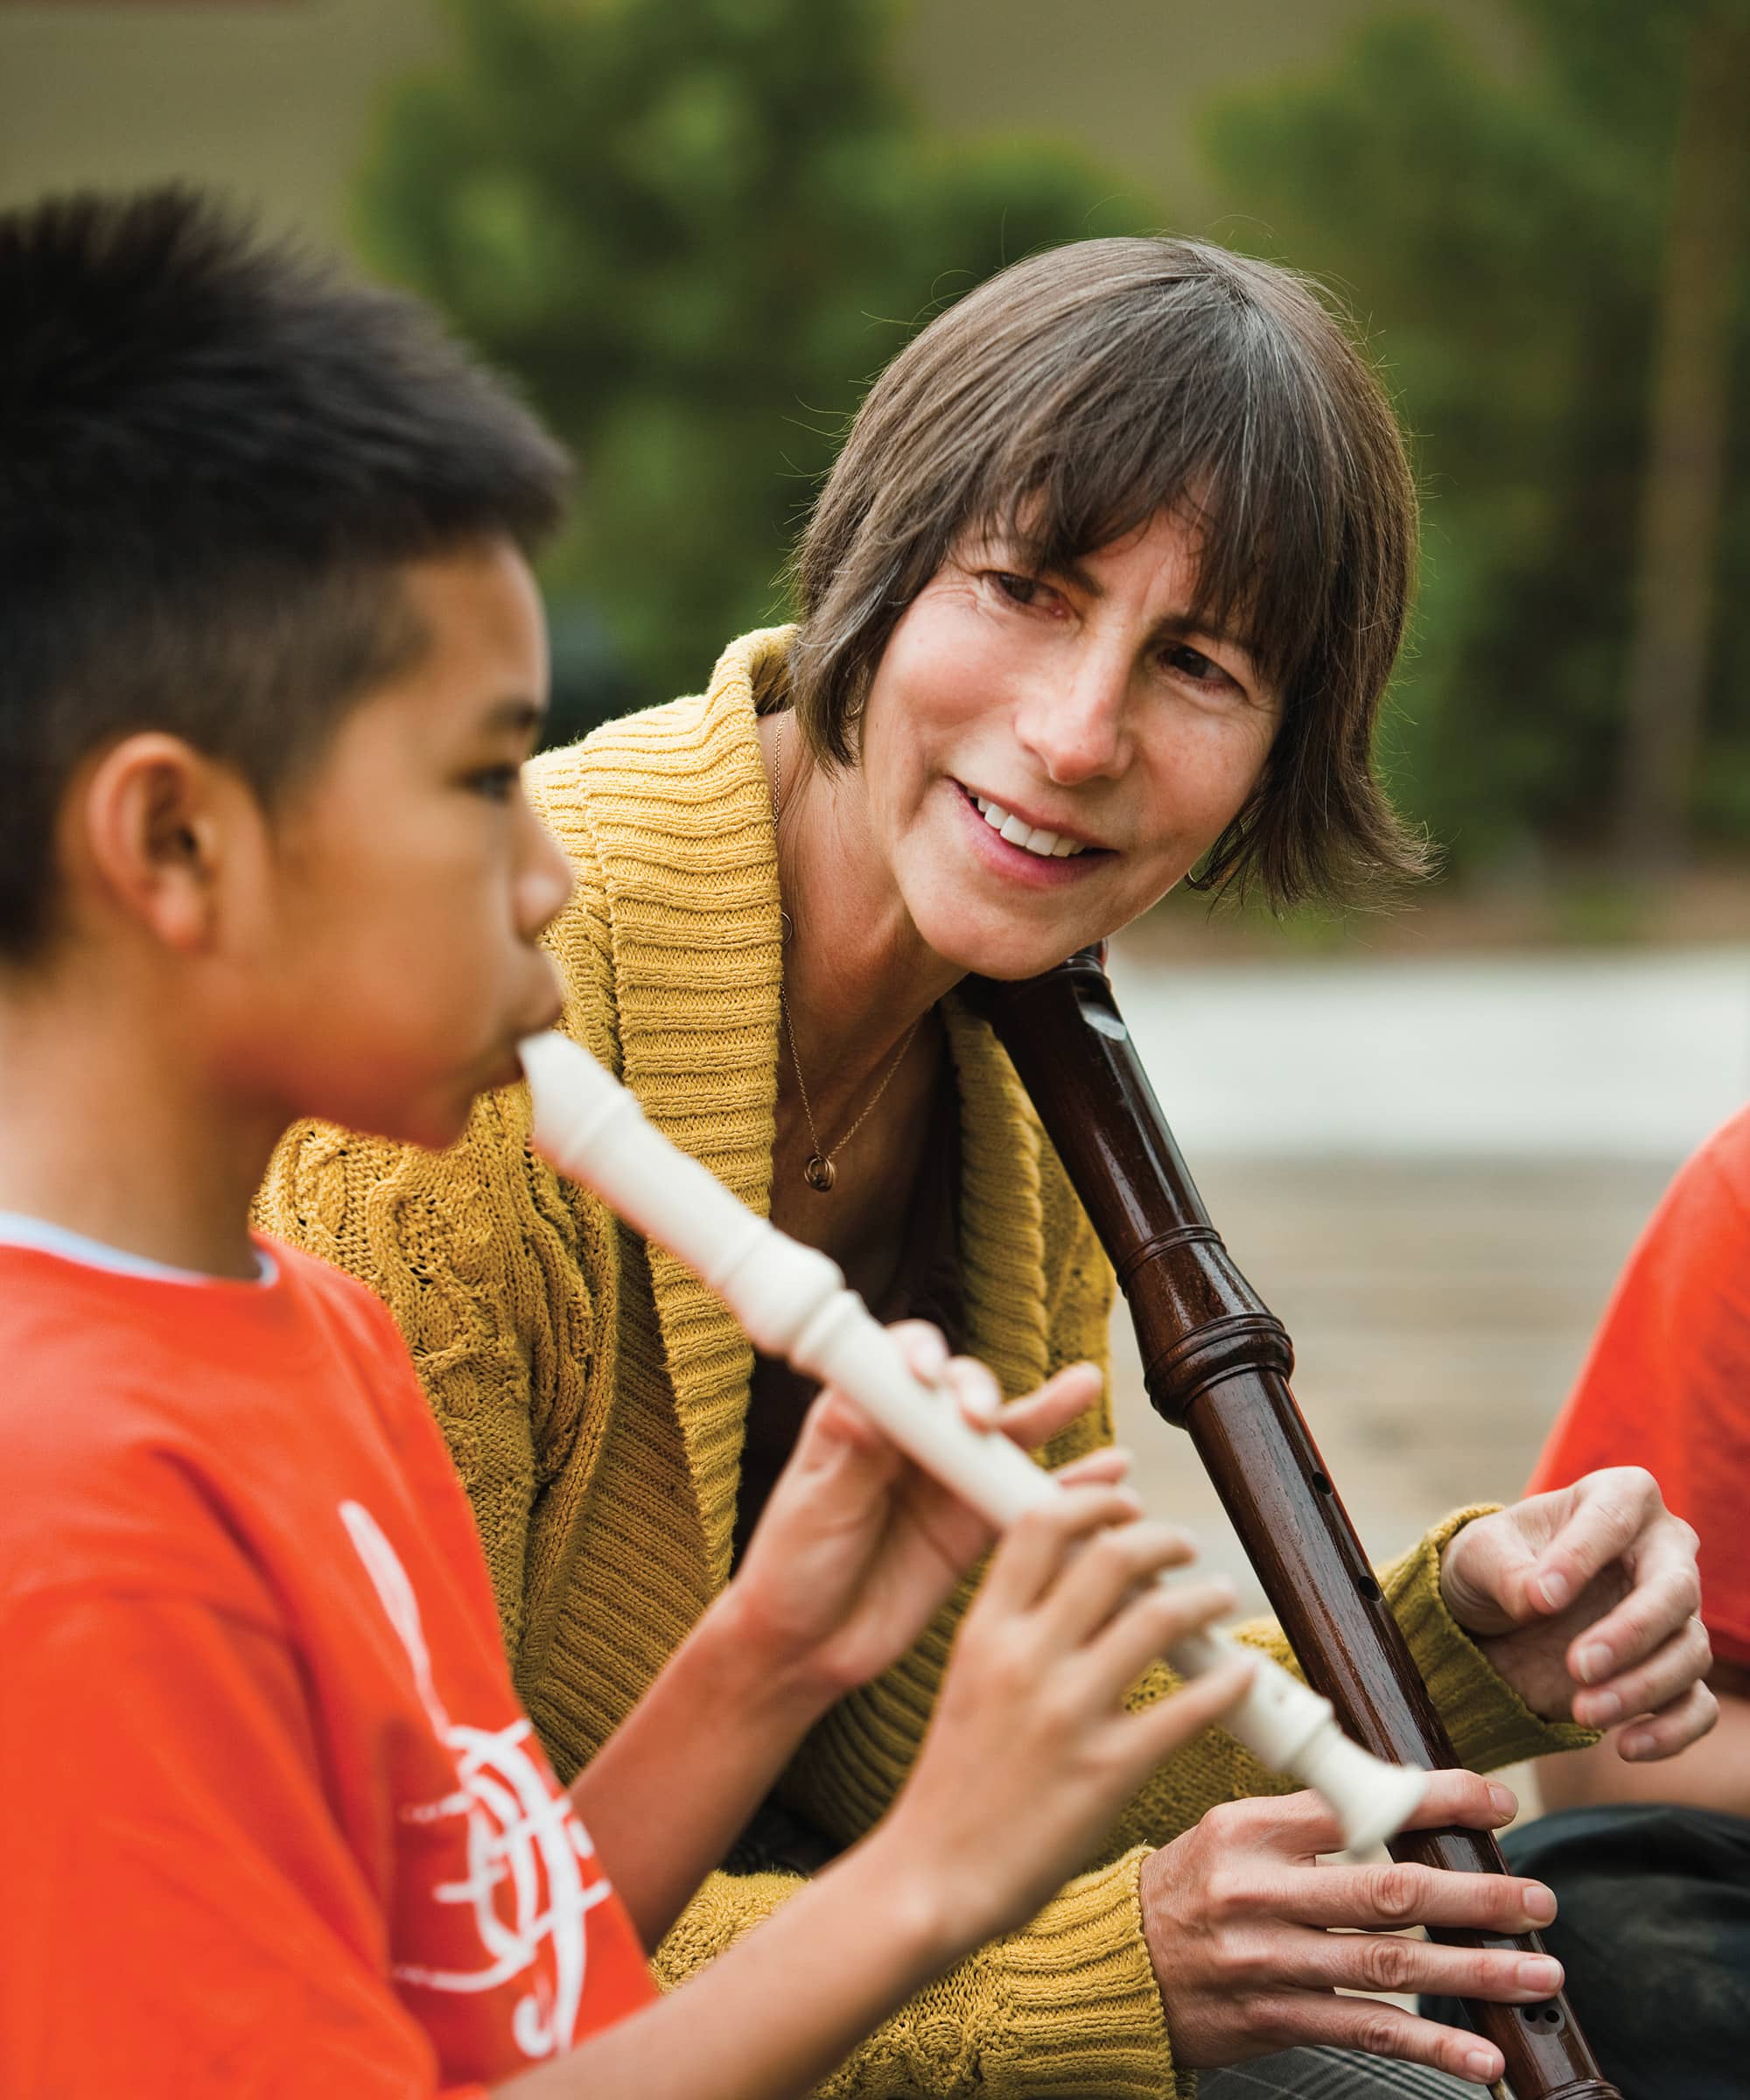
pixel 1067 402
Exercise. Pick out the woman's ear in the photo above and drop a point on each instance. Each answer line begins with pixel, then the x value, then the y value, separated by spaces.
pixel 150 821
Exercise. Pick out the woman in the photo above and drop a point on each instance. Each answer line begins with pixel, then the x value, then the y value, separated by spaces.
pixel 1106 583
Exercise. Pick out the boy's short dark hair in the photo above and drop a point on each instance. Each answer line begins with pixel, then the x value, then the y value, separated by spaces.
pixel 1074 397
pixel 214 455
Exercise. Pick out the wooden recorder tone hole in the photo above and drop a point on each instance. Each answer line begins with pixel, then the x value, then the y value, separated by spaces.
pixel 1368 1588
pixel 1548 2016
pixel 1322 1482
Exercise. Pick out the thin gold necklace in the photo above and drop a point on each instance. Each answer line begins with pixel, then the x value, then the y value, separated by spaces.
pixel 819 1172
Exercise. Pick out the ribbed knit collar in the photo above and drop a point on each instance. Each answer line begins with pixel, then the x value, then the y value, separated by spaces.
pixel 680 810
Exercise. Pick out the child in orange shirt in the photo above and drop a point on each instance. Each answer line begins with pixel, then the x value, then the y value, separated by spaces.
pixel 274 1821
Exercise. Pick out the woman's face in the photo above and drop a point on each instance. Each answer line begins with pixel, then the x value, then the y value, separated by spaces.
pixel 1080 704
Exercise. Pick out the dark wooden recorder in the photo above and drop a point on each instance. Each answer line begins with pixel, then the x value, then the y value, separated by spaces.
pixel 1216 1362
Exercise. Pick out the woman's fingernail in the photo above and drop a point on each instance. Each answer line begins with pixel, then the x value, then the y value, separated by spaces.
pixel 1602 1708
pixel 1502 1800
pixel 1593 1662
pixel 1555 1591
pixel 1479 2065
pixel 1539 1973
pixel 1540 1904
pixel 1639 1745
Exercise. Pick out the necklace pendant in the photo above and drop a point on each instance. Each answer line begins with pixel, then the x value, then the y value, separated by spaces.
pixel 820 1174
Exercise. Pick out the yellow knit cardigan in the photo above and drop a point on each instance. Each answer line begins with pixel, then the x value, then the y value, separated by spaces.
pixel 593 1393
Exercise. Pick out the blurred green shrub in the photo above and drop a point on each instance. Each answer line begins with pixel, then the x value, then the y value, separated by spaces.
pixel 695 229
pixel 1502 244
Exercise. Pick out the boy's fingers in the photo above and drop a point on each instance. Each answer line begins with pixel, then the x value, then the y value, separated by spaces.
pixel 1030 1558
pixel 1047 1413
pixel 1099 1468
pixel 1147 1627
pixel 975 1389
pixel 923 1347
pixel 1106 1571
pixel 1168 1725
pixel 834 1425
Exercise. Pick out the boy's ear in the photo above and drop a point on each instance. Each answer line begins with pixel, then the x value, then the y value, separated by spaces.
pixel 152 820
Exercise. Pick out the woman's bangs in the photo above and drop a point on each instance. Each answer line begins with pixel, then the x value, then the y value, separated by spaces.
pixel 1260 508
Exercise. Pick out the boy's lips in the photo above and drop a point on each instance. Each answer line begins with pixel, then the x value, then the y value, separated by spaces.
pixel 509 1070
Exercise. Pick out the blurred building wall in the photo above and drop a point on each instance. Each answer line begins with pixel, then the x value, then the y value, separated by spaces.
pixel 1126 79
pixel 271 98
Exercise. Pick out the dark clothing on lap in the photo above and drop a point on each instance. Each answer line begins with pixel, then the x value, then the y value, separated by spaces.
pixel 1654 1931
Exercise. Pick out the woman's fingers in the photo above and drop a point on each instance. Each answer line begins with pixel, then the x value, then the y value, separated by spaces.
pixel 1363 1961
pixel 1660 1603
pixel 1453 1795
pixel 1674 1728
pixel 1609 1510
pixel 1668 1675
pixel 1306 2021
pixel 1399 1893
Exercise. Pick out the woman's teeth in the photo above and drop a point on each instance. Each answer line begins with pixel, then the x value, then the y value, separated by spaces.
pixel 1047 845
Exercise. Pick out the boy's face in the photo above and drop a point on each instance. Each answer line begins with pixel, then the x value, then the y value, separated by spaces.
pixel 391 928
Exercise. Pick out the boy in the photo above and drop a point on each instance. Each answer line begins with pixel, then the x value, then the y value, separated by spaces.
pixel 274 1822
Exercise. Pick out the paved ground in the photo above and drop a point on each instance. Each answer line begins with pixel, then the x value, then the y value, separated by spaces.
pixel 1433 1171
pixel 1439 1310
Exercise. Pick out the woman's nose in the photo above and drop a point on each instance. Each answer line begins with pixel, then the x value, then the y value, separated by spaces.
pixel 1076 726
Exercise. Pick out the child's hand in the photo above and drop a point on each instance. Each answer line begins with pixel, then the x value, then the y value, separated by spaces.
pixel 856 1547
pixel 1033 1752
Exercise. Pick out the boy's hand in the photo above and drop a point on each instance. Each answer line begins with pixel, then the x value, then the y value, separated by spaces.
pixel 856 1547
pixel 1033 1751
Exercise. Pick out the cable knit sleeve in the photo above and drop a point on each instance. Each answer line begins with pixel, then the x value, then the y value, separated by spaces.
pixel 1068 2005
pixel 473 1251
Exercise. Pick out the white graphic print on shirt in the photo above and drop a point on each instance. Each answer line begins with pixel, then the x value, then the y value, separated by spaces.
pixel 517 1830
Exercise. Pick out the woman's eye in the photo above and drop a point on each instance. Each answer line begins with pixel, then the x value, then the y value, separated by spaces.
pixel 1023 590
pixel 1193 664
pixel 497 783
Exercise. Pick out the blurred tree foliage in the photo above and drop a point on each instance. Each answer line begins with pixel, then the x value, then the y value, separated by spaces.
pixel 695 229
pixel 1503 243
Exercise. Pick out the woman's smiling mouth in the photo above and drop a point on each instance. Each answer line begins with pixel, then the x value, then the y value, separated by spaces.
pixel 1025 842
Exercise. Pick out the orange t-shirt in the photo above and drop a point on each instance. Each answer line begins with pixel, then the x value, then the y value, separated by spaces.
pixel 1667 1385
pixel 272 1820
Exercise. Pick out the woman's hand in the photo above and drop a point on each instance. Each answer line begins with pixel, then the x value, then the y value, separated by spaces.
pixel 1033 1753
pixel 1585 1600
pixel 856 1547
pixel 1251 1935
